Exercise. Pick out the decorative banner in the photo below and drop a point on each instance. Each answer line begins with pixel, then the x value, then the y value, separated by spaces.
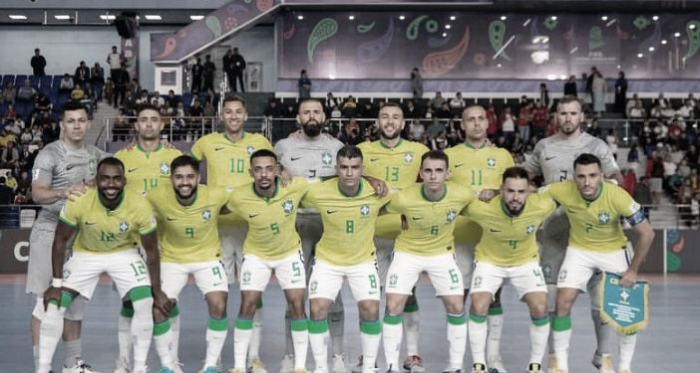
pixel 130 51
pixel 625 308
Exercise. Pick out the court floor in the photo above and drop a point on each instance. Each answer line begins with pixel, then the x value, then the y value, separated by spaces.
pixel 670 344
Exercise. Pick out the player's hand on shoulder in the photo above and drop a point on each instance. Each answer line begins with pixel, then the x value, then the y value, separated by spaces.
pixel 74 191
pixel 167 144
pixel 285 178
pixel 379 186
pixel 487 195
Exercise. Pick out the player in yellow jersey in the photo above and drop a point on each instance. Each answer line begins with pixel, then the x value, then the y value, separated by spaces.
pixel 479 166
pixel 108 221
pixel 427 244
pixel 187 215
pixel 272 244
pixel 596 242
pixel 396 161
pixel 349 210
pixel 227 155
pixel 508 251
pixel 147 165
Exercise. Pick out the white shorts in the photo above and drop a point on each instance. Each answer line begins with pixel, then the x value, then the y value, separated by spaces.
pixel 290 272
pixel 232 237
pixel 126 268
pixel 406 268
pixel 327 280
pixel 209 276
pixel 464 255
pixel 580 265
pixel 385 250
pixel 526 278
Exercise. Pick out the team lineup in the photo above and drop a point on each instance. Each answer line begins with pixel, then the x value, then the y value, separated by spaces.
pixel 317 213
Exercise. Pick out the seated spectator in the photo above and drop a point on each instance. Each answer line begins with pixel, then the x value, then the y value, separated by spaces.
pixel 668 112
pixel 172 100
pixel 457 104
pixel 663 101
pixel 444 112
pixel 66 85
pixel 43 104
pixel 26 136
pixel 10 113
pixel 637 111
pixel 77 94
pixel 9 94
pixel 539 119
pixel 351 134
pixel 82 74
pixel 349 107
pixel 26 93
pixel 209 109
pixel 36 134
pixel 15 127
pixel 435 128
pixel 157 101
pixel 632 102
pixel 335 113
pixel 143 98
pixel 686 111
pixel 411 111
pixel 437 101
pixel 370 111
pixel 506 121
pixel 197 110
pixel 415 131
pixel 272 110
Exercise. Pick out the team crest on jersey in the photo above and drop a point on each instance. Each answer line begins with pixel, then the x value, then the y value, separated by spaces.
pixel 287 206
pixel 164 169
pixel 250 150
pixel 603 217
pixel 206 215
pixel 530 229
pixel 327 159
pixel 408 158
pixel 451 216
pixel 491 162
pixel 364 210
pixel 123 227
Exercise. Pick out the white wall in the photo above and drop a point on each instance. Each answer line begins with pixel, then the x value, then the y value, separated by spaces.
pixel 65 47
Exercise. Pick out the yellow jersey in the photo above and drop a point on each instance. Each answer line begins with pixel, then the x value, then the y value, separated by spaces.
pixel 480 168
pixel 507 240
pixel 228 161
pixel 189 234
pixel 348 222
pixel 104 231
pixel 398 167
pixel 272 234
pixel 595 225
pixel 146 170
pixel 430 223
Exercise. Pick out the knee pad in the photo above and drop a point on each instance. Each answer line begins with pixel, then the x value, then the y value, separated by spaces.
pixel 76 310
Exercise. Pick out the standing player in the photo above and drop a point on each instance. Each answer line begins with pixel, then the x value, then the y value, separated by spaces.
pixel 272 244
pixel 596 243
pixel 147 166
pixel 397 162
pixel 553 158
pixel 481 167
pixel 228 160
pixel 60 171
pixel 430 209
pixel 508 251
pixel 188 215
pixel 311 154
pixel 108 222
pixel 349 208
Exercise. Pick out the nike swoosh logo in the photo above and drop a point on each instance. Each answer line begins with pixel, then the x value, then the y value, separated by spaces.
pixel 331 211
pixel 88 223
pixel 219 148
pixel 494 230
pixel 570 211
pixel 295 158
pixel 252 215
pixel 170 219
pixel 133 169
pixel 373 159
pixel 70 167
pixel 549 158
pixel 459 165
pixel 416 218
pixel 372 292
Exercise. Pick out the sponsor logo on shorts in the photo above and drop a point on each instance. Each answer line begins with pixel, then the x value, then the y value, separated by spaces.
pixel 313 287
pixel 393 279
pixel 217 284
pixel 66 274
pixel 477 281
pixel 245 278
pixel 372 292
pixel 296 280
pixel 562 275
pixel 455 287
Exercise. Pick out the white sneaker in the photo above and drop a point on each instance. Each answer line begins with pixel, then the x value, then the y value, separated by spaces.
pixel 338 364
pixel 495 364
pixel 603 362
pixel 287 364
pixel 79 367
pixel 122 366
pixel 255 365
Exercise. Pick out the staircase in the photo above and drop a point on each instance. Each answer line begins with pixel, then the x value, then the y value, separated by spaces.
pixel 99 131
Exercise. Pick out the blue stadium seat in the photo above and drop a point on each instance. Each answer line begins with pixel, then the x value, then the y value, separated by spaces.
pixel 7 79
pixel 35 81
pixel 19 80
pixel 46 81
pixel 56 83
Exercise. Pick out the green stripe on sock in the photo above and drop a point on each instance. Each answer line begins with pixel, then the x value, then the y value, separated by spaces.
pixel 371 327
pixel 479 319
pixel 318 326
pixel 495 311
pixel 457 319
pixel 393 319
pixel 300 325
pixel 127 312
pixel 175 311
pixel 244 324
pixel 259 304
pixel 561 324
pixel 410 307
pixel 218 325
pixel 161 328
pixel 138 293
pixel 541 321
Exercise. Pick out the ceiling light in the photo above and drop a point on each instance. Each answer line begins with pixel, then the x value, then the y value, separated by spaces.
pixel 300 17
pixel 664 42
pixel 153 17
pixel 62 17
pixel 678 34
pixel 402 17
pixel 452 18
pixel 444 34
pixel 604 18
pixel 640 55
pixel 503 18
pixel 692 27
pixel 108 17
pixel 651 49
pixel 448 26
pixel 17 16
pixel 351 17
pixel 655 18
pixel 554 18
pixel 196 18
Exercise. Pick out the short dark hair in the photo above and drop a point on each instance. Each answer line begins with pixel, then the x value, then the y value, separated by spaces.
pixel 234 98
pixel 110 161
pixel 471 106
pixel 437 155
pixel 146 106
pixel 182 161
pixel 2 180
pixel 569 99
pixel 71 106
pixel 261 153
pixel 586 159
pixel 310 100
pixel 349 151
pixel 515 173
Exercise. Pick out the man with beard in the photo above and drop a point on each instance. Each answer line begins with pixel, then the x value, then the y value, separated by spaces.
pixel 228 161
pixel 397 162
pixel 108 222
pixel 311 154
pixel 272 244
pixel 60 172
pixel 147 166
pixel 508 251
pixel 188 215
pixel 553 158
pixel 479 166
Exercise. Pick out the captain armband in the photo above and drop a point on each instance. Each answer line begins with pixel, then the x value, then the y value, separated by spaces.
pixel 636 218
